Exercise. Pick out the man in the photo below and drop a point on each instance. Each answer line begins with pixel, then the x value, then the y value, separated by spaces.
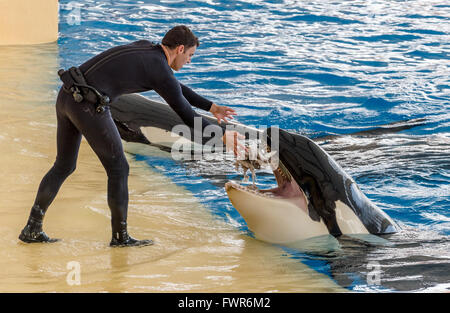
pixel 136 67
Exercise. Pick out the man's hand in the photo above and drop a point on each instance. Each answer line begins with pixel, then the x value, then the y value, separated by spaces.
pixel 232 143
pixel 222 112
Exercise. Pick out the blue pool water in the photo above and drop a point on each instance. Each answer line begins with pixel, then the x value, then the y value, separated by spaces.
pixel 317 68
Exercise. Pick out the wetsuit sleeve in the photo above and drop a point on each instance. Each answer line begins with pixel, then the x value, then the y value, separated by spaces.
pixel 195 99
pixel 170 90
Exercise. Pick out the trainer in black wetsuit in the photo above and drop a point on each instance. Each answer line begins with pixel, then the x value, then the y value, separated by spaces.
pixel 136 67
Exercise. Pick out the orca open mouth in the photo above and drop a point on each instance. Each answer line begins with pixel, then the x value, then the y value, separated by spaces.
pixel 279 214
pixel 287 188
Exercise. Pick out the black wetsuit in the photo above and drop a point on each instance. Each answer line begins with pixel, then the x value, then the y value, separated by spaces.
pixel 136 67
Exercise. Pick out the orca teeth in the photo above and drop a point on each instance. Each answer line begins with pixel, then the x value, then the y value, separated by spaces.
pixel 250 189
pixel 282 173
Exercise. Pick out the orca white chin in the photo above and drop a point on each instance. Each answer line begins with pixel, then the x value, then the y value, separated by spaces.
pixel 273 218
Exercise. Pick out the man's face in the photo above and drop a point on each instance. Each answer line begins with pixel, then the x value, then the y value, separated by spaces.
pixel 183 56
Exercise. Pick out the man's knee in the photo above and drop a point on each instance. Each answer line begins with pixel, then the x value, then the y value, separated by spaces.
pixel 64 169
pixel 118 169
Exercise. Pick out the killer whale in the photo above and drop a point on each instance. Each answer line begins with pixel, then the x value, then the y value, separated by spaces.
pixel 328 200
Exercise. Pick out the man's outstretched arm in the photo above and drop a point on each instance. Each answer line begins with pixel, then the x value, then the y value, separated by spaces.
pixel 195 99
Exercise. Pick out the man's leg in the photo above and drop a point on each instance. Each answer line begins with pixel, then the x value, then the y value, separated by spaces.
pixel 103 137
pixel 68 143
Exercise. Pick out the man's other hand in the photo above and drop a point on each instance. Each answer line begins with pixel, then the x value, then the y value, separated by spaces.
pixel 221 113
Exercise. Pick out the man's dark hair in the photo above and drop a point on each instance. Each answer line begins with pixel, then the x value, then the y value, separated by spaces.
pixel 180 35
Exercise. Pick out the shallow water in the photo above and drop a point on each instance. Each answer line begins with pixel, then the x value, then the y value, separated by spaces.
pixel 315 68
